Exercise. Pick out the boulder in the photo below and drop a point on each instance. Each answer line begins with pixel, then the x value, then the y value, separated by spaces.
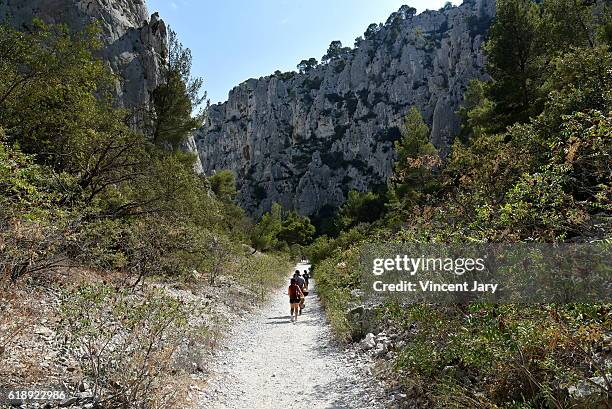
pixel 362 320
pixel 587 395
pixel 368 342
pixel 380 349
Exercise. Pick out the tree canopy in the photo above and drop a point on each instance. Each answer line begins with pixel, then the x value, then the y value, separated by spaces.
pixel 177 99
pixel 334 51
pixel 306 65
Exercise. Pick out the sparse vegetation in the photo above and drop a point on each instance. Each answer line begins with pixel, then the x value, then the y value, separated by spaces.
pixel 124 343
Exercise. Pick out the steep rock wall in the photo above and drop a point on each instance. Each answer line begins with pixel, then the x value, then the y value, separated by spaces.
pixel 133 43
pixel 305 140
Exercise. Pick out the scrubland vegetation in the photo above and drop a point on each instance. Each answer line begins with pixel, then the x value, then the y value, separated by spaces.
pixel 85 188
pixel 104 222
pixel 532 164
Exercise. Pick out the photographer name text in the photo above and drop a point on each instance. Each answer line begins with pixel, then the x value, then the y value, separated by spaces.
pixel 429 286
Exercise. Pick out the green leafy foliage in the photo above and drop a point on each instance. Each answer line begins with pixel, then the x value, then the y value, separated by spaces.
pixel 265 233
pixel 525 41
pixel 223 184
pixel 476 111
pixel 512 53
pixel 173 120
pixel 526 354
pixel 335 50
pixel 417 159
pixel 48 86
pixel 296 229
pixel 532 163
pixel 306 65
pixel 80 186
pixel 360 207
pixel 177 98
pixel 276 230
pixel 34 230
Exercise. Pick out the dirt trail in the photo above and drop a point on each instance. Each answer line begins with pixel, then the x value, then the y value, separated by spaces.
pixel 271 363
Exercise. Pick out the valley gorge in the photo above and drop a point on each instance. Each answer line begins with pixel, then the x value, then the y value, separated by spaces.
pixel 420 220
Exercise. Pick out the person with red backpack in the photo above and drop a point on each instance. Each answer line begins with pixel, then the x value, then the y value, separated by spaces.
pixel 295 298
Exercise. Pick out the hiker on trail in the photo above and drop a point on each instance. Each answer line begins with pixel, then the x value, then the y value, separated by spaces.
pixel 300 280
pixel 302 284
pixel 306 277
pixel 295 298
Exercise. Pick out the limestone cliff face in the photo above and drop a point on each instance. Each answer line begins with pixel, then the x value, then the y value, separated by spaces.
pixel 135 44
pixel 305 140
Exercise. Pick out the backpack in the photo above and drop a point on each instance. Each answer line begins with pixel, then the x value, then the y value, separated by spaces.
pixel 294 291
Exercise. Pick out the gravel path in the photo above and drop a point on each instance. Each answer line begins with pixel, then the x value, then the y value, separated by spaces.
pixel 271 363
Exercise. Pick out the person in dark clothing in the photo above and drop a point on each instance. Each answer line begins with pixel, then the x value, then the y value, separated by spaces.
pixel 295 298
pixel 306 277
pixel 300 280
pixel 302 284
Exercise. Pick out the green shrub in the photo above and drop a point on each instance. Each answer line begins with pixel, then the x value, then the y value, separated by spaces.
pixel 504 353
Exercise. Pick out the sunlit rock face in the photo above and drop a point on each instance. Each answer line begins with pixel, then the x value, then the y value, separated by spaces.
pixel 135 44
pixel 305 140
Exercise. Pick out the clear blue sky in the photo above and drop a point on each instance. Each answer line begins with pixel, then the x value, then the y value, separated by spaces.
pixel 233 40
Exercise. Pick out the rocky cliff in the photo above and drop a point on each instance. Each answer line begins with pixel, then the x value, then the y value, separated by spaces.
pixel 135 45
pixel 305 140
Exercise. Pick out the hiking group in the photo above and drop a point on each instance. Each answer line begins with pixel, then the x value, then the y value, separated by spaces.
pixel 298 290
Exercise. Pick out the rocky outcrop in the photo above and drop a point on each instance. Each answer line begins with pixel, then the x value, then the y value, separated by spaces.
pixel 135 45
pixel 305 140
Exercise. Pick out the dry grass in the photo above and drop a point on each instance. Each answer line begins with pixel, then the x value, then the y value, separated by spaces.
pixel 32 342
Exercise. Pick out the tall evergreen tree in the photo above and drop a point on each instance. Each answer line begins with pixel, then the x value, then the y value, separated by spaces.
pixel 177 100
pixel 416 160
pixel 512 60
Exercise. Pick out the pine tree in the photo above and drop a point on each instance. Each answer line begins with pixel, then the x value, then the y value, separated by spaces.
pixel 416 161
pixel 177 99
pixel 512 60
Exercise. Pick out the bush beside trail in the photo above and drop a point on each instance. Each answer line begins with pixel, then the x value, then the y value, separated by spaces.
pixel 531 165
